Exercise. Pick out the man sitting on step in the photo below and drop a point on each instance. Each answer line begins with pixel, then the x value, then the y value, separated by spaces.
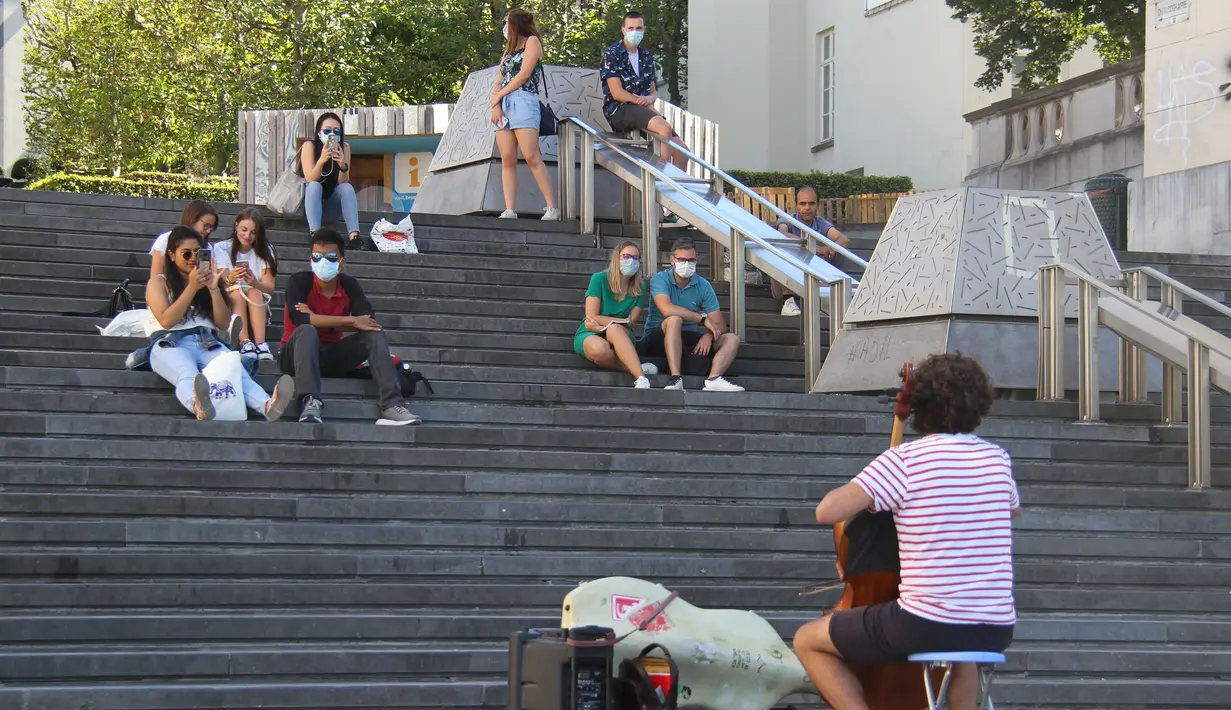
pixel 953 498
pixel 684 313
pixel 806 203
pixel 321 305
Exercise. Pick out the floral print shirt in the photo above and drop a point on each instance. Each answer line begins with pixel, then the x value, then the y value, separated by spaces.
pixel 510 66
pixel 616 65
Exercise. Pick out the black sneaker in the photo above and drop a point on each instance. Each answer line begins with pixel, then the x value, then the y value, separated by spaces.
pixel 676 383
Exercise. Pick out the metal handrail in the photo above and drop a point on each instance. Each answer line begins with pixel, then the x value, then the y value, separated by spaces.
pixel 660 175
pixel 766 203
pixel 1051 357
pixel 1182 288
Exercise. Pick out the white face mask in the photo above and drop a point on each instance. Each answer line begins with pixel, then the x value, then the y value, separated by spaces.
pixel 685 269
pixel 506 31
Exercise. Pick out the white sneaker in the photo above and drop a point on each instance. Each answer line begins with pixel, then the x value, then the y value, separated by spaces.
pixel 790 307
pixel 720 384
pixel 677 383
pixel 508 214
pixel 649 369
pixel 551 214
pixel 642 383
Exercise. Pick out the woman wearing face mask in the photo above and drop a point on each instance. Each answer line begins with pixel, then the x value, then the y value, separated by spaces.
pixel 614 302
pixel 328 191
pixel 186 304
pixel 516 111
pixel 198 214
pixel 247 264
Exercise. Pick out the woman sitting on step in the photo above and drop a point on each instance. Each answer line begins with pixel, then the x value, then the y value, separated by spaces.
pixel 198 214
pixel 614 302
pixel 186 304
pixel 248 266
pixel 324 163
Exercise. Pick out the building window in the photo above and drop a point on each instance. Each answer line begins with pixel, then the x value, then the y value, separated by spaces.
pixel 825 114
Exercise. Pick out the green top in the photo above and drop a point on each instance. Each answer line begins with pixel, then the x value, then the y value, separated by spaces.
pixel 608 305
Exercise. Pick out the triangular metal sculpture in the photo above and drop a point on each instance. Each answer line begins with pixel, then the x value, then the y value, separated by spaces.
pixel 956 270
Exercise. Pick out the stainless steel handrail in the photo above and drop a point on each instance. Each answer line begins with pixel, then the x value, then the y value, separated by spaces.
pixel 805 229
pixel 662 176
pixel 1182 288
pixel 1051 356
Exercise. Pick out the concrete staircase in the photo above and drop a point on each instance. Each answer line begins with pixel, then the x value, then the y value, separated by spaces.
pixel 152 562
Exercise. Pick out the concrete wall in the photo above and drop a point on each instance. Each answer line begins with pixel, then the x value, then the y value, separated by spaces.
pixel 905 74
pixel 12 48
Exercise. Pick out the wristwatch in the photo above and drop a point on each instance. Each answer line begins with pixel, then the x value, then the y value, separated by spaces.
pixel 702 321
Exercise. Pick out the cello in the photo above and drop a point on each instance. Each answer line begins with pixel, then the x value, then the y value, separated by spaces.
pixel 868 565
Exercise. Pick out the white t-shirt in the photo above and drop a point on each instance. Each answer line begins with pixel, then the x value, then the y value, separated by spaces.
pixel 191 319
pixel 634 58
pixel 222 259
pixel 952 497
pixel 160 244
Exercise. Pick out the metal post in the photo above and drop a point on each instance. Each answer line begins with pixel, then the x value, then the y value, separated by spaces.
pixel 1198 415
pixel 1173 385
pixel 812 330
pixel 1087 353
pixel 839 297
pixel 565 155
pixel 737 283
pixel 1132 358
pixel 717 257
pixel 649 223
pixel 1051 334
pixel 587 183
pixel 632 204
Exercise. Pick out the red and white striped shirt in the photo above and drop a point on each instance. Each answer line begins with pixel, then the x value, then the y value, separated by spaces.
pixel 952 497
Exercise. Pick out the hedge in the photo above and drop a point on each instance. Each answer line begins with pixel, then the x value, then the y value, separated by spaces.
pixel 827 184
pixel 164 185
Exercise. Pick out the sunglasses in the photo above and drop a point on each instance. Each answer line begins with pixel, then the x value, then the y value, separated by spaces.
pixel 331 256
pixel 331 131
pixel 188 254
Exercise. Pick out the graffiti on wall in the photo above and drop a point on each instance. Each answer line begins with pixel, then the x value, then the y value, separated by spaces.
pixel 1184 94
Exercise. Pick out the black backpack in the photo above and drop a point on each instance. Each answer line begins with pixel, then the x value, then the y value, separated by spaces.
pixel 408 379
pixel 636 690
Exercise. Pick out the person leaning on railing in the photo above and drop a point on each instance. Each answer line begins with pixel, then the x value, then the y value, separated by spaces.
pixel 806 202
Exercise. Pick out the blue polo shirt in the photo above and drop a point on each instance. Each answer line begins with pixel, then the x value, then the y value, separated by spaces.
pixel 698 296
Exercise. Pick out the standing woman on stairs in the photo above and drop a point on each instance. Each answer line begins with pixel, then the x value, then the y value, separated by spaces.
pixel 614 303
pixel 186 304
pixel 325 164
pixel 516 111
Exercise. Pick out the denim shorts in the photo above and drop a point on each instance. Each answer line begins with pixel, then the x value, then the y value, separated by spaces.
pixel 521 110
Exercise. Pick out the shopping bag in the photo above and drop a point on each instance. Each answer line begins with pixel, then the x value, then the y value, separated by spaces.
pixel 226 387
pixel 398 238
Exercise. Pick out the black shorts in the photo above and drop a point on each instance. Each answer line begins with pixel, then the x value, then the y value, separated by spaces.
pixel 887 633
pixel 654 343
pixel 628 117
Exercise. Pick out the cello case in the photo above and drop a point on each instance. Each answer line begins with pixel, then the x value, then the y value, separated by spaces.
pixel 727 659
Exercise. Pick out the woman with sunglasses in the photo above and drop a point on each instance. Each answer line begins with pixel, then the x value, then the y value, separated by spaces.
pixel 328 191
pixel 186 304
pixel 198 214
pixel 614 303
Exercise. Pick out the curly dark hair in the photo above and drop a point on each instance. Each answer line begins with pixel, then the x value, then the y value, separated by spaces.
pixel 952 394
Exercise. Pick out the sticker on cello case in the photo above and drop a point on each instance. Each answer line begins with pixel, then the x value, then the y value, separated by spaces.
pixel 634 610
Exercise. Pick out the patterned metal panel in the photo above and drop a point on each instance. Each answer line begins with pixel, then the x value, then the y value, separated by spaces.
pixel 471 137
pixel 975 251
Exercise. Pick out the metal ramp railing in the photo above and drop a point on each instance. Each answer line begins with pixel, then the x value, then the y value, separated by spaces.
pixel 1155 327
pixel 700 202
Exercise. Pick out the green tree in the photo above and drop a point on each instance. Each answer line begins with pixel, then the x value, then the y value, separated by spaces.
pixel 1047 33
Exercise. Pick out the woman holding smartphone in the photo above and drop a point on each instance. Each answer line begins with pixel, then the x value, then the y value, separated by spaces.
pixel 613 305
pixel 248 267
pixel 198 214
pixel 186 304
pixel 516 111
pixel 325 163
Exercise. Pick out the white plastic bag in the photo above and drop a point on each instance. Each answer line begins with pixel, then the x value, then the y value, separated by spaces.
pixel 226 387
pixel 398 238
pixel 126 324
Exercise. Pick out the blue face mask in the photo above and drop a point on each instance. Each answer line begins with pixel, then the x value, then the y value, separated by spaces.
pixel 629 267
pixel 326 270
pixel 634 37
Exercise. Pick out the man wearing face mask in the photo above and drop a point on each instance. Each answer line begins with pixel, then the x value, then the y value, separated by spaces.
pixel 322 305
pixel 627 75
pixel 685 317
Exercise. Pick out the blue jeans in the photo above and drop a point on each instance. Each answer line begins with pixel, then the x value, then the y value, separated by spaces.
pixel 179 360
pixel 341 203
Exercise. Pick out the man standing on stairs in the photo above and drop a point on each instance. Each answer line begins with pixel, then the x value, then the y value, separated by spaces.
pixel 684 313
pixel 806 203
pixel 321 305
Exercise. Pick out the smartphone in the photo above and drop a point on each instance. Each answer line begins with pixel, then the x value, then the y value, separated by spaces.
pixel 332 144
pixel 204 258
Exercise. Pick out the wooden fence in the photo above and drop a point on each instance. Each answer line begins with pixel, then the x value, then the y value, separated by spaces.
pixel 856 209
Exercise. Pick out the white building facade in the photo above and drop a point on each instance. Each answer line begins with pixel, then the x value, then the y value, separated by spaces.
pixel 878 86
pixel 12 49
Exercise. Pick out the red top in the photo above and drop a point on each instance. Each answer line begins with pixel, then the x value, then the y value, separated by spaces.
pixel 305 288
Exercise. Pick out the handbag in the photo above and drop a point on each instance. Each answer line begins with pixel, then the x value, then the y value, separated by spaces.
pixel 549 125
pixel 286 196
pixel 121 301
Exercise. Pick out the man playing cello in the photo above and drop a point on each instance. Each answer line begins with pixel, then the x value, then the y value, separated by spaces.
pixel 953 497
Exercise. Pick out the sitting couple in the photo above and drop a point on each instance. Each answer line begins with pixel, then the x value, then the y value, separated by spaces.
pixel 186 305
pixel 684 316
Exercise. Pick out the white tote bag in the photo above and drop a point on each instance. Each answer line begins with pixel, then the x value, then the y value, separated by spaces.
pixel 286 197
pixel 226 387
